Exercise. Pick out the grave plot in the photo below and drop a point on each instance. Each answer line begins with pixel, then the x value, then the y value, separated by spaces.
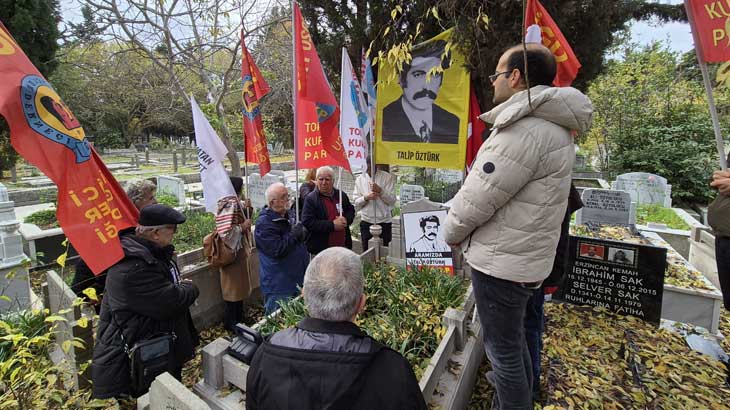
pixel 593 359
pixel 425 315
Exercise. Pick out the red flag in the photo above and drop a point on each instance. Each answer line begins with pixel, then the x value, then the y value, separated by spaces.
pixel 318 115
pixel 476 130
pixel 92 207
pixel 553 39
pixel 711 29
pixel 254 88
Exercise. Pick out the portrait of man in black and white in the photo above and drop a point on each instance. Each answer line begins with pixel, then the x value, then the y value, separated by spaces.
pixel 414 117
pixel 430 241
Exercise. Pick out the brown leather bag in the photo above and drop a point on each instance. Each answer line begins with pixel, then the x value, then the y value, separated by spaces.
pixel 217 252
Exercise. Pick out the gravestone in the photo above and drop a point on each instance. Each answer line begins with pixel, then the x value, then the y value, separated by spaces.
pixel 449 176
pixel 14 279
pixel 419 248
pixel 623 277
pixel 171 186
pixel 257 187
pixel 604 206
pixel 411 193
pixel 345 183
pixel 279 173
pixel 645 188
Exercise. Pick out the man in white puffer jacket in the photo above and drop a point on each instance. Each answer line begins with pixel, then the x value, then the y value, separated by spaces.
pixel 506 217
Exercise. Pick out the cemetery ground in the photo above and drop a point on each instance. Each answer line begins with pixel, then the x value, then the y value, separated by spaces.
pixel 593 359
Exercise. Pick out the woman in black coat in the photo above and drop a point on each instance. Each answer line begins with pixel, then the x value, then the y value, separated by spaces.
pixel 144 296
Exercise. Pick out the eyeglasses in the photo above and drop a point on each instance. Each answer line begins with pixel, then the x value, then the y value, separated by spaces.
pixel 493 77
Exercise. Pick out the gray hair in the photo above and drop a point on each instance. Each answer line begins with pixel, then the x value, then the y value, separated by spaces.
pixel 333 285
pixel 326 169
pixel 270 191
pixel 138 188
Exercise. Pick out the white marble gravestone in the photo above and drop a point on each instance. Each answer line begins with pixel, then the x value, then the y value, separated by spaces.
pixel 257 187
pixel 411 193
pixel 645 188
pixel 171 186
pixel 605 206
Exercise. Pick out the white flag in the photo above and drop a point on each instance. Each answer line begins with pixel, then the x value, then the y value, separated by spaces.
pixel 368 87
pixel 534 34
pixel 354 123
pixel 211 153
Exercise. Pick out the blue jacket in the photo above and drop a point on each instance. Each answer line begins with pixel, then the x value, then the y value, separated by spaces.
pixel 282 257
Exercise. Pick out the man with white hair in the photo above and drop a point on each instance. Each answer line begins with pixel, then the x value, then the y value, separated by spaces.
pixel 280 243
pixel 326 361
pixel 327 220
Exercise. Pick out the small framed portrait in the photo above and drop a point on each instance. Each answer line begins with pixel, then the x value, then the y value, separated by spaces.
pixel 621 256
pixel 589 250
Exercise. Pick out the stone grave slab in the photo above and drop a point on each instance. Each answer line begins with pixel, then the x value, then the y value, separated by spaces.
pixel 167 393
pixel 411 193
pixel 449 176
pixel 257 187
pixel 346 183
pixel 645 188
pixel 605 206
pixel 625 278
pixel 171 186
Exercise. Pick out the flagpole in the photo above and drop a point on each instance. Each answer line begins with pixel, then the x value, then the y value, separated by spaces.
pixel 243 132
pixel 708 88
pixel 339 186
pixel 294 105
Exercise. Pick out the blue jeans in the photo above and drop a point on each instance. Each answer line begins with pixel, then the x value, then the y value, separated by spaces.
pixel 501 305
pixel 534 327
pixel 271 301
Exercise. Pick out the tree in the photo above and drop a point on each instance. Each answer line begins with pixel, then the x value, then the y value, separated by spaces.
pixel 651 115
pixel 185 38
pixel 34 26
pixel 119 96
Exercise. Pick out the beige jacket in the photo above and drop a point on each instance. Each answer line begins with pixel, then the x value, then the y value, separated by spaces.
pixel 507 215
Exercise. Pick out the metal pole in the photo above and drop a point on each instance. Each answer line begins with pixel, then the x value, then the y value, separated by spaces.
pixel 713 114
pixel 708 86
pixel 339 187
pixel 294 105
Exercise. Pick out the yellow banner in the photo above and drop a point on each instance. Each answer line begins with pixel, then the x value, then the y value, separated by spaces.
pixel 422 119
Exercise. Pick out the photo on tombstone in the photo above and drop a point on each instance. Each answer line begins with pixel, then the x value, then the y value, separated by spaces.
pixel 425 245
pixel 621 255
pixel 589 250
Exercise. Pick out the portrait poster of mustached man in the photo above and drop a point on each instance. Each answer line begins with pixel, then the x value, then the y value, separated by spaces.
pixel 423 108
pixel 425 245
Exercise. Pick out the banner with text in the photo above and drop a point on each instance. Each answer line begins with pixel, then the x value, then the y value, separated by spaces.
pixel 423 116
pixel 711 28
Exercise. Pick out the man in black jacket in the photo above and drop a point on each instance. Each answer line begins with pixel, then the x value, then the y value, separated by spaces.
pixel 327 221
pixel 144 296
pixel 327 361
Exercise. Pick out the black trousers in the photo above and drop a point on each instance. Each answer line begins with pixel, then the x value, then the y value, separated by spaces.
pixel 722 256
pixel 365 236
pixel 232 315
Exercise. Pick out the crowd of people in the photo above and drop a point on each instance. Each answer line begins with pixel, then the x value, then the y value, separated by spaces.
pixel 509 219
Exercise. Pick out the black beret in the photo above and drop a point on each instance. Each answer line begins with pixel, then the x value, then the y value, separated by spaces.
pixel 158 214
